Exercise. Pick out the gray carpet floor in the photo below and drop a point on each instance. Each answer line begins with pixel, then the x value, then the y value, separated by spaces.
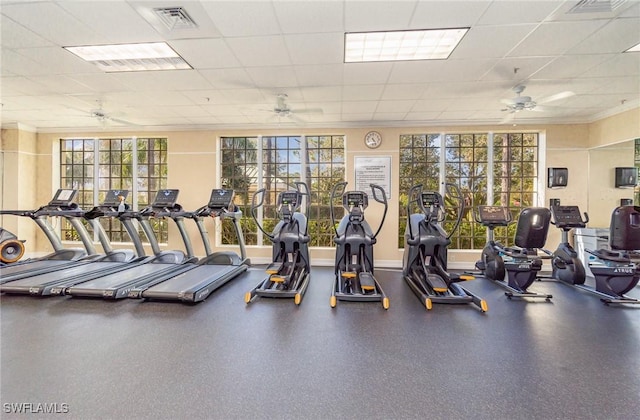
pixel 571 358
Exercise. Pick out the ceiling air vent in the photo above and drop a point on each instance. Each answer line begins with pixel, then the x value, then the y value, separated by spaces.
pixel 597 6
pixel 175 18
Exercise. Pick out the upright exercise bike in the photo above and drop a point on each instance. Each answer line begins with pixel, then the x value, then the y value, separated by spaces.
pixel 522 263
pixel 425 252
pixel 354 238
pixel 616 271
pixel 565 264
pixel 289 271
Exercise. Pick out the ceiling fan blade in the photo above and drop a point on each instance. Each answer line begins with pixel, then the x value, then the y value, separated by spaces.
pixel 508 101
pixel 556 97
pixel 120 121
pixel 307 111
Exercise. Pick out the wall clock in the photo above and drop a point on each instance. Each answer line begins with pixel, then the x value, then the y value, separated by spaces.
pixel 372 139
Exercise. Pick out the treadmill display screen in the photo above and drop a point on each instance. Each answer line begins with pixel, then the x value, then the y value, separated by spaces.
pixel 63 197
pixel 493 214
pixel 112 197
pixel 166 198
pixel 220 198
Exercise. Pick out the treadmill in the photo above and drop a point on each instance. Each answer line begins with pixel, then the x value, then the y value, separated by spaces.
pixel 62 204
pixel 211 272
pixel 111 262
pixel 163 265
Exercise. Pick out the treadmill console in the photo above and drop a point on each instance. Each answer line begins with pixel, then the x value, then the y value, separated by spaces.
pixel 112 197
pixel 567 216
pixel 221 199
pixel 494 214
pixel 355 199
pixel 165 198
pixel 289 198
pixel 63 198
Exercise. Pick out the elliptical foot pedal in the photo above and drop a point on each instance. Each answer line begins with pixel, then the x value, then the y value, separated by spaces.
pixel 274 268
pixel 437 283
pixel 367 282
pixel 349 274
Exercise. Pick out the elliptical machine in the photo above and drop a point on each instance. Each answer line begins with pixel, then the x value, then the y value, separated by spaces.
pixel 524 263
pixel 354 266
pixel 289 271
pixel 425 252
pixel 616 271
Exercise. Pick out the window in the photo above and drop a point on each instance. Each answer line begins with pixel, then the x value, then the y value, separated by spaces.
pixel 114 165
pixel 465 161
pixel 275 163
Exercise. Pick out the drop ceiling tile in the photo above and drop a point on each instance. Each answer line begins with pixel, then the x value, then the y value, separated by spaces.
pixel 389 116
pixel 361 16
pixel 208 53
pixel 431 105
pixel 359 107
pixel 259 18
pixel 260 51
pixel 447 14
pixel 422 115
pixel 319 74
pixel 228 78
pixel 615 37
pixel 62 84
pixel 627 64
pixel 99 82
pixel 19 64
pixel 280 76
pixel 424 71
pixel 394 106
pixel 100 16
pixel 322 93
pixel 59 61
pixel 490 41
pixel 552 38
pixel 404 91
pixel 356 117
pixel 362 92
pixel 163 80
pixel 310 16
pixel 52 23
pixel 504 69
pixel 18 85
pixel 13 35
pixel 506 12
pixel 366 73
pixel 325 48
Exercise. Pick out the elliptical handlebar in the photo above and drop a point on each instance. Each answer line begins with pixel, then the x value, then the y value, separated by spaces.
pixel 343 186
pixel 375 188
pixel 254 210
pixel 307 206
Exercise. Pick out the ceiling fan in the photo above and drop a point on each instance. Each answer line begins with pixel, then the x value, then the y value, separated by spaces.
pixel 282 110
pixel 526 103
pixel 105 118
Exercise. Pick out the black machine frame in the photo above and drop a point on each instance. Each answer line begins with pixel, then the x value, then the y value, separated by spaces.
pixel 425 251
pixel 354 264
pixel 289 271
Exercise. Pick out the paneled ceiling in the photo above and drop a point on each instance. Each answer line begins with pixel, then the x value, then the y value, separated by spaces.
pixel 246 53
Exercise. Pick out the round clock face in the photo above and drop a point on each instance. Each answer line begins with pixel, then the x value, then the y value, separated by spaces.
pixel 372 139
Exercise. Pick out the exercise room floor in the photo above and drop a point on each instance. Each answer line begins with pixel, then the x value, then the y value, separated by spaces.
pixel 573 358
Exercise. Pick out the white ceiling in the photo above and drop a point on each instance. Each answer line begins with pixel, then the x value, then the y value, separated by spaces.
pixel 245 53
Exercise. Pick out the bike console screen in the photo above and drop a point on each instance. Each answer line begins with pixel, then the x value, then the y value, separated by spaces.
pixel 494 214
pixel 567 216
pixel 220 198
pixel 354 199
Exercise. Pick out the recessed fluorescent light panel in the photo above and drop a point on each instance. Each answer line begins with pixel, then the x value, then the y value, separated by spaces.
pixel 428 44
pixel 635 48
pixel 131 57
